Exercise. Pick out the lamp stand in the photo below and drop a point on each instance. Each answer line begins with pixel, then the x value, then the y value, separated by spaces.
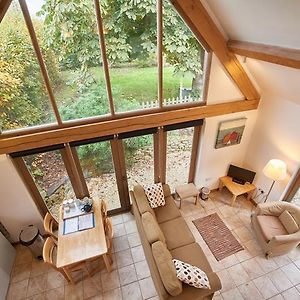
pixel 269 190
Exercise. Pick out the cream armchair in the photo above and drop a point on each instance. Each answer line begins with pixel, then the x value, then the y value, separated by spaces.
pixel 276 233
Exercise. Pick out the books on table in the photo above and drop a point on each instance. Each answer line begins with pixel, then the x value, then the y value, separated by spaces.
pixel 79 223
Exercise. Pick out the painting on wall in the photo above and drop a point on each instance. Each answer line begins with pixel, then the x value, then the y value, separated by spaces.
pixel 230 133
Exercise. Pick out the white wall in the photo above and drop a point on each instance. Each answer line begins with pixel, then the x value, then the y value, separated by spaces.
pixel 272 131
pixel 213 163
pixel 276 135
pixel 17 207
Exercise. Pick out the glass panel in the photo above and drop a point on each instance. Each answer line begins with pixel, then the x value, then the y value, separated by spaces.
pixel 51 178
pixel 130 36
pixel 183 60
pixel 23 98
pixel 296 198
pixel 179 149
pixel 139 159
pixel 98 169
pixel 67 31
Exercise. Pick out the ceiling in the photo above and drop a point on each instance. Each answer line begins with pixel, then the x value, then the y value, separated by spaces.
pixel 274 22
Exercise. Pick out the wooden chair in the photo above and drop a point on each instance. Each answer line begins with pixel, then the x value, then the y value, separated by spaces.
pixel 109 233
pixel 49 256
pixel 103 210
pixel 51 226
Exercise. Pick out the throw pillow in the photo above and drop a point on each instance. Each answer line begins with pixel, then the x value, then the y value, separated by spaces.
pixel 141 200
pixel 288 222
pixel 155 194
pixel 166 268
pixel 191 275
pixel 152 229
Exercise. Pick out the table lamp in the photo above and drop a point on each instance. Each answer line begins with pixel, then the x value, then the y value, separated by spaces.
pixel 275 169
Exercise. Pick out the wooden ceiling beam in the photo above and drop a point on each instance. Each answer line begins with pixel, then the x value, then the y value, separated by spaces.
pixel 273 54
pixel 204 28
pixel 4 5
pixel 104 128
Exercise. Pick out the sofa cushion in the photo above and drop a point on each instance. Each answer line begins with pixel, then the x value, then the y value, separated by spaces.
pixel 167 212
pixel 167 191
pixel 155 194
pixel 191 275
pixel 177 233
pixel 141 200
pixel 151 228
pixel 166 268
pixel 288 222
pixel 194 255
pixel 270 226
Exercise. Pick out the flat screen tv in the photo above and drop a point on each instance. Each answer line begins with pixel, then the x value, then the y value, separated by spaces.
pixel 240 175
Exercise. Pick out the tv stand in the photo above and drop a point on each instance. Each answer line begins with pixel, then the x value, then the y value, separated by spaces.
pixel 236 189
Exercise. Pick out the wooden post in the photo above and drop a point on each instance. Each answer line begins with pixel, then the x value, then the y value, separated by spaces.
pixel 104 57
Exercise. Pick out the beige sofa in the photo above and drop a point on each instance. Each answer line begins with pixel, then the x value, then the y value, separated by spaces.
pixel 179 241
pixel 270 231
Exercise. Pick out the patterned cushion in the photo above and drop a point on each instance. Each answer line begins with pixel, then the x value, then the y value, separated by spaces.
pixel 191 275
pixel 155 194
pixel 288 222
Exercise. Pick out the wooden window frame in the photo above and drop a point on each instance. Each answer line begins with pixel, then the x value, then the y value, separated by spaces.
pixel 294 187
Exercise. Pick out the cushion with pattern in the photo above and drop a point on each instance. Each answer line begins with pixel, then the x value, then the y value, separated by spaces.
pixel 155 194
pixel 191 275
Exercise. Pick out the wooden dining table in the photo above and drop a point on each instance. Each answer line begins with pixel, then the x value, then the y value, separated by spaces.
pixel 84 245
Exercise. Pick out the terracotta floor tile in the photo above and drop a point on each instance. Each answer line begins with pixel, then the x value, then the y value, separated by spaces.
pixel 37 285
pixel 17 290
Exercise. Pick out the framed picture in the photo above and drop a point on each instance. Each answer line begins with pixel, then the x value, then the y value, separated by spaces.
pixel 230 133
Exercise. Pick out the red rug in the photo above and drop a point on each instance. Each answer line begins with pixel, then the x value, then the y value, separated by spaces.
pixel 217 236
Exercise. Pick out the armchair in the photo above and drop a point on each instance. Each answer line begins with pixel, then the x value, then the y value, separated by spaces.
pixel 271 232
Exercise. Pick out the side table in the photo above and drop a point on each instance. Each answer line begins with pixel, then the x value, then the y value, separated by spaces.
pixel 236 189
pixel 187 191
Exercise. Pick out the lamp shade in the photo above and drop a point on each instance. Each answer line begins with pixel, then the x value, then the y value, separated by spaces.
pixel 275 169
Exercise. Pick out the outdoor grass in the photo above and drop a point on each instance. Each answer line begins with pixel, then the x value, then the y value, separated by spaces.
pixel 133 83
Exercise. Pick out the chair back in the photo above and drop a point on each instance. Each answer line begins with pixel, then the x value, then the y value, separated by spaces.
pixel 48 252
pixel 103 210
pixel 49 225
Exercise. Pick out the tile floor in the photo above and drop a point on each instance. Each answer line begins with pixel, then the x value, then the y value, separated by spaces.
pixel 244 275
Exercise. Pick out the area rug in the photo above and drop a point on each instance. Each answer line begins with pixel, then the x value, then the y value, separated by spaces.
pixel 217 236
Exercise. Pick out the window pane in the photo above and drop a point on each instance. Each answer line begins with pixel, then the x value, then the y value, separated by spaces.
pixel 296 198
pixel 23 98
pixel 139 158
pixel 51 178
pixel 98 169
pixel 68 32
pixel 179 149
pixel 183 60
pixel 130 36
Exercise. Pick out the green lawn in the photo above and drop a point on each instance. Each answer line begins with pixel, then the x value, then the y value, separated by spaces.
pixel 133 83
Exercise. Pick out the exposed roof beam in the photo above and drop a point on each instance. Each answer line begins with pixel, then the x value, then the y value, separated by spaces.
pixel 4 5
pixel 104 128
pixel 204 28
pixel 273 54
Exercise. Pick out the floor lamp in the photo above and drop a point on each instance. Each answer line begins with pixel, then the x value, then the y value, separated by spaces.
pixel 275 169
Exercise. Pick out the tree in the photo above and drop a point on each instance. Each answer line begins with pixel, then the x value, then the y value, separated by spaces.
pixel 130 35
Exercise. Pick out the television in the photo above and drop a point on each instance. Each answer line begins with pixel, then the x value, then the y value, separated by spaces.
pixel 240 175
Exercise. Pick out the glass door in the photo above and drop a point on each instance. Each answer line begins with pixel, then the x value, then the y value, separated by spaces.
pixel 98 168
pixel 139 160
pixel 51 178
pixel 179 149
